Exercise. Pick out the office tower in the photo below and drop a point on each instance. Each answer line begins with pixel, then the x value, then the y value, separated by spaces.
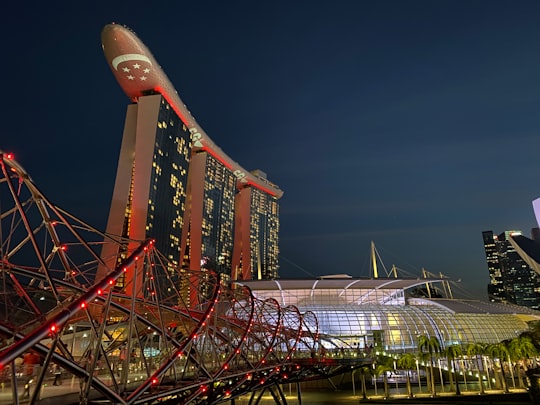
pixel 512 280
pixel 495 286
pixel 176 186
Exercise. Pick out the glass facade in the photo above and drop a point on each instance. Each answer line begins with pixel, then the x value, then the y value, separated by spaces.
pixel 391 320
pixel 495 286
pixel 511 278
pixel 167 196
pixel 166 193
pixel 218 217
pixel 184 194
pixel 264 230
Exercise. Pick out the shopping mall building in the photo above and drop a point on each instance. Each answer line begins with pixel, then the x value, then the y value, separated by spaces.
pixel 387 313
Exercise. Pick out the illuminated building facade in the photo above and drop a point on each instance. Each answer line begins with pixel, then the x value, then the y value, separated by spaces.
pixel 149 197
pixel 256 251
pixel 176 186
pixel 512 280
pixel 495 287
pixel 387 314
pixel 208 235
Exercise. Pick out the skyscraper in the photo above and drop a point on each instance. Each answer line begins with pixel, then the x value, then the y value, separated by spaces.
pixel 495 287
pixel 149 196
pixel 512 280
pixel 256 242
pixel 175 185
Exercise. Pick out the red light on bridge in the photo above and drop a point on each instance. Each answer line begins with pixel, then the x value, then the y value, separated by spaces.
pixel 83 304
pixel 9 156
pixel 155 381
pixel 111 282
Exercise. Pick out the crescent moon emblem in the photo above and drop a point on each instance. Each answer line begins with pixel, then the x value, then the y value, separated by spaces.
pixel 127 57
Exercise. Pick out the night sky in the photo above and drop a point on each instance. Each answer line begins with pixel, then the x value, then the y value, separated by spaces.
pixel 415 124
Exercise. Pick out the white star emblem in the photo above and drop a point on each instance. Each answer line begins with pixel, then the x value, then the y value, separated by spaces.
pixel 126 69
pixel 130 77
pixel 136 66
pixel 143 78
pixel 146 70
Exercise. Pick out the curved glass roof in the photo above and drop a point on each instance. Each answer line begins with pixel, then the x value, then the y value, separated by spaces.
pixel 361 313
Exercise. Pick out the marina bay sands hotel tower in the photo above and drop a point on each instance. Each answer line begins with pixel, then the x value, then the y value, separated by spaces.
pixel 173 184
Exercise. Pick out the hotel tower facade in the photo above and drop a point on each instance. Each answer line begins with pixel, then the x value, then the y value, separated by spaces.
pixel 173 184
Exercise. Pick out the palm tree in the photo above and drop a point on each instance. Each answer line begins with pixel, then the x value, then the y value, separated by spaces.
pixel 431 345
pixel 476 350
pixel 534 334
pixel 383 365
pixel 452 352
pixel 407 361
pixel 521 349
pixel 499 351
pixel 424 358
pixel 363 371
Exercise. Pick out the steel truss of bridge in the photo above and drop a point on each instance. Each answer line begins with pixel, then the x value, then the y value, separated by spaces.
pixel 147 332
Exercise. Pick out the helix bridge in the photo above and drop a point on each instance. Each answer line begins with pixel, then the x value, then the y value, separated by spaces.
pixel 180 337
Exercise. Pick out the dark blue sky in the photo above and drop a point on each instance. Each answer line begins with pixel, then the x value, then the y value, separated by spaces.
pixel 414 124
